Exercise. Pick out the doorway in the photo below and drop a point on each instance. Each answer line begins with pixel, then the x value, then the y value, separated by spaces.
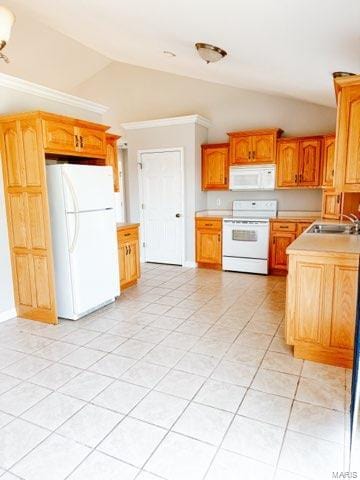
pixel 161 189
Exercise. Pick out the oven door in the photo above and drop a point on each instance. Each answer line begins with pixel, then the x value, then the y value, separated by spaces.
pixel 248 239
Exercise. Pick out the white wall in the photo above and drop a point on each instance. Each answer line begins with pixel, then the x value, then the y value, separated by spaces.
pixel 12 101
pixel 186 136
pixel 288 200
pixel 136 93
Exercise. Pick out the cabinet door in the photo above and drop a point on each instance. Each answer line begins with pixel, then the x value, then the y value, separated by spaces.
pixel 59 137
pixel 301 227
pixel 208 246
pixel 348 140
pixel 279 243
pixel 122 263
pixel 342 327
pixel 263 149
pixel 309 308
pixel 328 161
pixel 287 164
pixel 112 161
pixel 240 150
pixel 309 171
pixel 28 220
pixel 92 142
pixel 331 204
pixel 132 263
pixel 215 168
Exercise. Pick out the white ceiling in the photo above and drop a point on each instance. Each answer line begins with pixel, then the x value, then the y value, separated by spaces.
pixel 286 47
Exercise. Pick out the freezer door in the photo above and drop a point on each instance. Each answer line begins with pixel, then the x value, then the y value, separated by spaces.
pixel 93 259
pixel 87 187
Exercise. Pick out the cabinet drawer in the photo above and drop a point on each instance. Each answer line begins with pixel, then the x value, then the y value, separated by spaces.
pixel 209 223
pixel 284 227
pixel 126 235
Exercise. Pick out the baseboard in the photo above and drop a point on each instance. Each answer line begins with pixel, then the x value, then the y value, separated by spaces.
pixel 7 315
pixel 189 264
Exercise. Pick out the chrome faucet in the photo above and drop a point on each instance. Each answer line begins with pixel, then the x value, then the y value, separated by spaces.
pixel 354 220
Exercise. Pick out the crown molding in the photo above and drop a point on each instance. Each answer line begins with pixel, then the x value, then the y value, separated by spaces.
pixel 167 122
pixel 20 85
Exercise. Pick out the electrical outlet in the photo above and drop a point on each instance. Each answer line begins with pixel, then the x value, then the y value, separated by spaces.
pixel 218 202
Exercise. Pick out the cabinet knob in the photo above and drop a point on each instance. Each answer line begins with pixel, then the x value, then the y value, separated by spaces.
pixel 177 215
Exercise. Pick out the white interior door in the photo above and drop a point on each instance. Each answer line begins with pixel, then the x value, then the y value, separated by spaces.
pixel 162 206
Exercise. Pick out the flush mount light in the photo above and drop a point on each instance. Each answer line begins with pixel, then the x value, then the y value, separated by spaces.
pixel 7 19
pixel 169 54
pixel 342 74
pixel 210 53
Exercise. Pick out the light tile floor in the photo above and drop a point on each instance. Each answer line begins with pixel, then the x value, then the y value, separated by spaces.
pixel 186 377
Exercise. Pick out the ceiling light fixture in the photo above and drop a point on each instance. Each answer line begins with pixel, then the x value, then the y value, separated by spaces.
pixel 7 19
pixel 210 53
pixel 169 54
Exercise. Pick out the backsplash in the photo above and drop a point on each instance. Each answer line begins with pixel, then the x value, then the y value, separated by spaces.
pixel 302 199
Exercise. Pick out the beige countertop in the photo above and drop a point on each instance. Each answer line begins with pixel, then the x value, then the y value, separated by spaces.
pixel 290 216
pixel 328 243
pixel 123 225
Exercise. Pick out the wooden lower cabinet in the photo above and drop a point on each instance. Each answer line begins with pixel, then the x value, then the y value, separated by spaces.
pixel 129 255
pixel 282 234
pixel 321 307
pixel 279 243
pixel 209 242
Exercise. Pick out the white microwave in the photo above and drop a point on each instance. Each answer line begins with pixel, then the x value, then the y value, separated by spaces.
pixel 259 177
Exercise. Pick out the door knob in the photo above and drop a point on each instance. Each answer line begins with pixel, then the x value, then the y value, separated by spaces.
pixel 178 215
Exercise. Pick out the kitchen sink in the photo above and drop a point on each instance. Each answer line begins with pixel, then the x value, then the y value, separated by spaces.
pixel 345 229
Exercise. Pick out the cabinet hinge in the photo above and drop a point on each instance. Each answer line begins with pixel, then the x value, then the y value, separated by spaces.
pixel 140 165
pixel 143 206
pixel 143 244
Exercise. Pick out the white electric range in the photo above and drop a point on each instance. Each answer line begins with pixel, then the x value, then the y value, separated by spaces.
pixel 246 236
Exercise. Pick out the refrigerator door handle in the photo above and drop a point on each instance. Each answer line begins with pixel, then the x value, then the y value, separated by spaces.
pixel 76 211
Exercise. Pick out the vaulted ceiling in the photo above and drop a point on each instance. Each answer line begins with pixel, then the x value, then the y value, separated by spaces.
pixel 278 46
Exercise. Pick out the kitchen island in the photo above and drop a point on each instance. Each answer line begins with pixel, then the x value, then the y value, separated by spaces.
pixel 321 297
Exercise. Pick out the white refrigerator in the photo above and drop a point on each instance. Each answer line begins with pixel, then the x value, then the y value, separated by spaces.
pixel 83 225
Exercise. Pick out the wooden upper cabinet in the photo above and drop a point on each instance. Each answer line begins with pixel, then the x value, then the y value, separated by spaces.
pixel 263 148
pixel 91 141
pixel 310 163
pixel 287 163
pixel 215 166
pixel 253 146
pixel 328 160
pixel 59 136
pixel 347 150
pixel 112 158
pixel 240 150
pixel 299 162
pixel 65 135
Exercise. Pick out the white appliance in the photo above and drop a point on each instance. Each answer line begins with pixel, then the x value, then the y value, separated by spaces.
pixel 246 236
pixel 257 177
pixel 81 200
